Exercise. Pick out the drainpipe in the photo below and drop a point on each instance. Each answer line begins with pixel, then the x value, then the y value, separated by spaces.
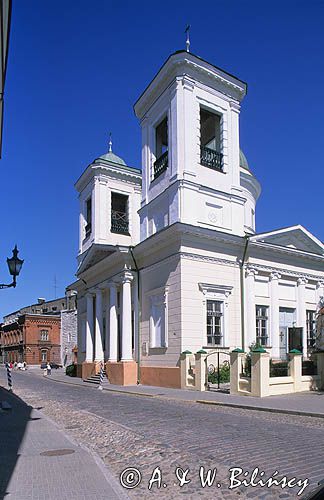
pixel 138 316
pixel 242 290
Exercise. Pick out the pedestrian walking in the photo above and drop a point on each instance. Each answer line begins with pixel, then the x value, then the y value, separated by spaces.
pixel 49 369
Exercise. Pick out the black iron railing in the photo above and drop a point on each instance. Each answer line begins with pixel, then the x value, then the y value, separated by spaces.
pixel 278 368
pixel 161 164
pixel 309 367
pixel 119 222
pixel 88 230
pixel 211 158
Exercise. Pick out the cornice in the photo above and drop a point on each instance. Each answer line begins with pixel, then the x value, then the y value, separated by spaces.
pixel 287 272
pixel 287 250
pixel 177 65
pixel 209 259
pixel 105 168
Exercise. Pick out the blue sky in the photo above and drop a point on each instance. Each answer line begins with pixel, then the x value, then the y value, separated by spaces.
pixel 75 70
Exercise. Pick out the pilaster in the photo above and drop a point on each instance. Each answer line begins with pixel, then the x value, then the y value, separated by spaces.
pixel 301 310
pixel 274 314
pixel 250 317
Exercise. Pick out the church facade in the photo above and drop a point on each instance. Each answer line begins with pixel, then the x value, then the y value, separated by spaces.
pixel 169 259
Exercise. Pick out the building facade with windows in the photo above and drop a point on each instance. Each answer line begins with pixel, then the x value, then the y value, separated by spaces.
pixel 45 331
pixel 33 338
pixel 169 259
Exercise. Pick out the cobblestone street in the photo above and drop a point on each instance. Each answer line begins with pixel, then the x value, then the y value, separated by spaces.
pixel 145 433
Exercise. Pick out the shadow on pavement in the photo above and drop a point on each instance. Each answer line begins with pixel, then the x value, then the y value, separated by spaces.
pixel 13 425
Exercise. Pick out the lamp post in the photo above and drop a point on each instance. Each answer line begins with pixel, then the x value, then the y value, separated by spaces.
pixel 14 265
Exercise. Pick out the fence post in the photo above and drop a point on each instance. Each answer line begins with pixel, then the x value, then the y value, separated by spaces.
pixel 184 367
pixel 101 376
pixel 200 370
pixel 236 359
pixel 295 368
pixel 9 376
pixel 320 369
pixel 260 372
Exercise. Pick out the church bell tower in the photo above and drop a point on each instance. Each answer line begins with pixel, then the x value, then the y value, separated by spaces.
pixel 191 171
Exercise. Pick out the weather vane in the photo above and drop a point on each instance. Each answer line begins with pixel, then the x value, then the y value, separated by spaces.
pixel 188 38
pixel 110 143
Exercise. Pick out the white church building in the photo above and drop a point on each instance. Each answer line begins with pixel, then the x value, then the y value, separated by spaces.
pixel 169 260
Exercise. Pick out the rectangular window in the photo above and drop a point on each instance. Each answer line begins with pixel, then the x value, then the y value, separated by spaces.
pixel 210 140
pixel 161 148
pixel 44 356
pixel 261 325
pixel 311 328
pixel 88 217
pixel 214 322
pixel 44 335
pixel 119 213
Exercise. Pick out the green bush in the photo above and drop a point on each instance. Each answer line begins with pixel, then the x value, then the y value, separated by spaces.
pixel 224 374
pixel 71 370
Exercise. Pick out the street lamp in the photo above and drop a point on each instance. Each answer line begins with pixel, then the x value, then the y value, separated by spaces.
pixel 14 265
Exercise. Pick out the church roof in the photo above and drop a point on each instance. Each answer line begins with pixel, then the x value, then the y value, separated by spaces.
pixel 110 156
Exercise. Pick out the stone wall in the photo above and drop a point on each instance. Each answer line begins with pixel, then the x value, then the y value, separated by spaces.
pixel 68 335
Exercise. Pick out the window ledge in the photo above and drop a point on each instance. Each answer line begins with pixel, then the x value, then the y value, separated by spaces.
pixel 215 347
pixel 220 170
pixel 124 233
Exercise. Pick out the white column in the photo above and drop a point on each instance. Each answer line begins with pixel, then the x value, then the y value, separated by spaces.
pixel 107 314
pixel 113 323
pixel 250 319
pixel 136 313
pixel 301 310
pixel 99 355
pixel 89 329
pixel 274 314
pixel 127 318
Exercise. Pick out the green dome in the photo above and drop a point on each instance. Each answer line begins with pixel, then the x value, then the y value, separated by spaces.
pixel 243 161
pixel 113 158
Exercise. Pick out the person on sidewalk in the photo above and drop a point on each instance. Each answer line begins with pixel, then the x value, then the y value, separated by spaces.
pixel 49 369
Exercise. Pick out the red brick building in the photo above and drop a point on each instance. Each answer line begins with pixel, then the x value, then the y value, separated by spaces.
pixel 34 338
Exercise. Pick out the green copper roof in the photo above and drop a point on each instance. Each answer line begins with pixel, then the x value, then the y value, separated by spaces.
pixel 113 158
pixel 243 161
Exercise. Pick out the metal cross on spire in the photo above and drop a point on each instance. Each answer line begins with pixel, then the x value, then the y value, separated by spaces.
pixel 110 143
pixel 187 30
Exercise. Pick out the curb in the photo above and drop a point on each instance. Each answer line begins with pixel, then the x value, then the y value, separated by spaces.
pixel 111 480
pixel 104 468
pixel 262 408
pixel 92 386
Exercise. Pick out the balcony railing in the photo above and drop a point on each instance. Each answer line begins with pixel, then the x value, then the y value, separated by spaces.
pixel 211 158
pixel 88 230
pixel 119 222
pixel 161 164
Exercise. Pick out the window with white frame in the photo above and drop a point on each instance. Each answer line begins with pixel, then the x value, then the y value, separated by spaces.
pixel 44 334
pixel 88 217
pixel 158 318
pixel 214 323
pixel 210 140
pixel 216 312
pixel 262 325
pixel 161 148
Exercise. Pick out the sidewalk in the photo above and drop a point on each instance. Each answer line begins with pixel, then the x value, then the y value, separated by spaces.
pixel 37 460
pixel 303 403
